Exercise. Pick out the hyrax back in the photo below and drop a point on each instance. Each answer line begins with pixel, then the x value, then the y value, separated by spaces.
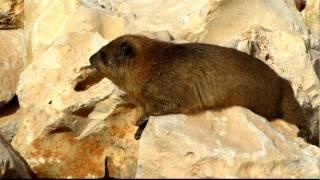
pixel 163 78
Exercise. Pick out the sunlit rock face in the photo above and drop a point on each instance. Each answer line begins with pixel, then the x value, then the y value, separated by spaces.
pixel 71 122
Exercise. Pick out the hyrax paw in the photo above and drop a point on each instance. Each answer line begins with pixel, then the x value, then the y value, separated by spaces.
pixel 142 123
pixel 305 133
pixel 138 134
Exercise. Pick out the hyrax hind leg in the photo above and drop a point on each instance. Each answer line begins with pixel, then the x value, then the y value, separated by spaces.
pixel 292 112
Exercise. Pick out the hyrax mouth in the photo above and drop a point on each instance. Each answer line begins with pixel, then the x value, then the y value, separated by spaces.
pixel 89 77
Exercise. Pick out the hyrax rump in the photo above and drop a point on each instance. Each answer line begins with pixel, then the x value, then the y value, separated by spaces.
pixel 163 78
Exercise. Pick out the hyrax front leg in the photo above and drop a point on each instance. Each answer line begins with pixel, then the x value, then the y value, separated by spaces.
pixel 159 106
pixel 142 123
pixel 142 120
pixel 143 117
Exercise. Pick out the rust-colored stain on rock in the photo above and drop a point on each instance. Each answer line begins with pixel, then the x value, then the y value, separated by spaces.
pixel 64 155
pixel 69 156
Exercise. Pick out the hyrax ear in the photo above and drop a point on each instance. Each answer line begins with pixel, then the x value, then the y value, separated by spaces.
pixel 125 50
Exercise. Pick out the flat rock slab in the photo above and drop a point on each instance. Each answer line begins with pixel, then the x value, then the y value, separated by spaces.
pixel 232 143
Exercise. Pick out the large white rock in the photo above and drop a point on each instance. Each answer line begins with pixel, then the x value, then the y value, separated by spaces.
pixel 48 20
pixel 311 14
pixel 11 63
pixel 71 127
pixel 178 17
pixel 231 143
pixel 67 126
pixel 236 16
pixel 74 124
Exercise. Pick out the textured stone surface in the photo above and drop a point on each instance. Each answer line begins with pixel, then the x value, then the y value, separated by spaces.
pixel 70 127
pixel 68 106
pixel 241 15
pixel 48 20
pixel 232 143
pixel 75 125
pixel 63 153
pixel 178 17
pixel 11 63
pixel 312 15
pixel 11 14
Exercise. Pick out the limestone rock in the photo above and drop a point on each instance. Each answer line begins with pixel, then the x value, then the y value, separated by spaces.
pixel 11 63
pixel 48 20
pixel 231 143
pixel 11 14
pixel 73 125
pixel 179 18
pixel 312 16
pixel 67 131
pixel 108 149
pixel 233 17
pixel 8 129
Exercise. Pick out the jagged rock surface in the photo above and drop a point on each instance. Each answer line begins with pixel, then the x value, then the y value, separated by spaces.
pixel 11 14
pixel 231 143
pixel 11 63
pixel 73 123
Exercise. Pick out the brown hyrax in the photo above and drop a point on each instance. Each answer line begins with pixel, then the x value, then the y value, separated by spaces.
pixel 163 78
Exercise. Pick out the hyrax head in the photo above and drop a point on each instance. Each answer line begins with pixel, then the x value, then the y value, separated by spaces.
pixel 116 55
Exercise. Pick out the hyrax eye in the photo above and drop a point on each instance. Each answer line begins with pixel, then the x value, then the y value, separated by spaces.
pixel 103 55
pixel 125 50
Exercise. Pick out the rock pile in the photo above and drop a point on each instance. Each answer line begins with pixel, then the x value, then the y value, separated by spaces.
pixel 67 121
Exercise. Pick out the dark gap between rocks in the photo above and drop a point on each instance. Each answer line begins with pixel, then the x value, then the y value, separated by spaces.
pixel 92 79
pixel 300 4
pixel 106 170
pixel 63 129
pixel 10 108
pixel 106 167
pixel 83 112
pixel 316 67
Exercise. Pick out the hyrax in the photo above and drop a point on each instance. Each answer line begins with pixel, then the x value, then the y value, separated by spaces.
pixel 163 78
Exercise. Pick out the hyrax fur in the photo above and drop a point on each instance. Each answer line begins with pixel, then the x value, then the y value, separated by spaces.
pixel 163 78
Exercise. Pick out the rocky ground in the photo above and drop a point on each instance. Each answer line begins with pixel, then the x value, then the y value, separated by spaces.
pixel 60 119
